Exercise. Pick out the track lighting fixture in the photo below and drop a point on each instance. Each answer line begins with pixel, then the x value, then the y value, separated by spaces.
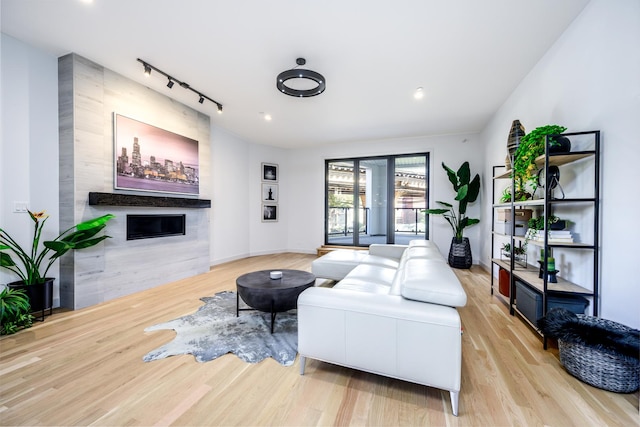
pixel 172 80
pixel 299 73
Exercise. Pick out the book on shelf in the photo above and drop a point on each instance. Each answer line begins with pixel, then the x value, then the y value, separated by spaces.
pixel 554 236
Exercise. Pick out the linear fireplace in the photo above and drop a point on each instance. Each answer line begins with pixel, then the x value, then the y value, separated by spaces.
pixel 151 226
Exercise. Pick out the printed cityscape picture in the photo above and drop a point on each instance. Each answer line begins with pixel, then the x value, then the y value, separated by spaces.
pixel 148 158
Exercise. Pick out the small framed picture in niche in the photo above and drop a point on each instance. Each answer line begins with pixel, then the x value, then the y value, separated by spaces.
pixel 269 213
pixel 270 172
pixel 269 193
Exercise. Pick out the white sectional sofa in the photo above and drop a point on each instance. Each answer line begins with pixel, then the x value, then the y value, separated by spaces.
pixel 392 312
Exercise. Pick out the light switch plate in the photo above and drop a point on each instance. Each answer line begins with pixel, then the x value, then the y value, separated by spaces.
pixel 20 207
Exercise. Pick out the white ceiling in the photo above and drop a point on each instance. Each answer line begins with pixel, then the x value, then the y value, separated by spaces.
pixel 468 55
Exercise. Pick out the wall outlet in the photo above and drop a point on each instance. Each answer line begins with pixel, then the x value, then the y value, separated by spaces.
pixel 20 207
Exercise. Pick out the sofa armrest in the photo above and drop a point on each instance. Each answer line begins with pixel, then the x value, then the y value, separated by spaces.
pixel 387 251
pixel 383 334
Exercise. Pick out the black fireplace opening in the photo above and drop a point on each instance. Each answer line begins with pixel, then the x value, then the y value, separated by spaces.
pixel 151 226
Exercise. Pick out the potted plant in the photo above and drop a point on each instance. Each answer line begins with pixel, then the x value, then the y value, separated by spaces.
pixel 467 191
pixel 28 264
pixel 519 253
pixel 532 146
pixel 14 311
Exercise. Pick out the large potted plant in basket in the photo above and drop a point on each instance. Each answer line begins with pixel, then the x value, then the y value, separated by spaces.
pixel 33 264
pixel 467 191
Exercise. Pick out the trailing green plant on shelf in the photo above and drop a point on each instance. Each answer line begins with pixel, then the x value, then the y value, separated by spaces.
pixel 532 146
pixel 14 311
pixel 28 264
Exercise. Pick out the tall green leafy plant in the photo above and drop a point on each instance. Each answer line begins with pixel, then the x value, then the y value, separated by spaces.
pixel 467 191
pixel 28 263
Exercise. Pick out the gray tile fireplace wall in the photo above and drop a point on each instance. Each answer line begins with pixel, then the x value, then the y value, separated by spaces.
pixel 89 94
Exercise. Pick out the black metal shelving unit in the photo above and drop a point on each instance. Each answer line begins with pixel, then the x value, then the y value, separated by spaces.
pixel 548 205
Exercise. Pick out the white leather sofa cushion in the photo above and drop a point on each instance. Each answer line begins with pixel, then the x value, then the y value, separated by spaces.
pixel 424 252
pixel 380 261
pixel 422 243
pixel 432 281
pixel 373 274
pixel 387 251
pixel 337 264
pixel 362 285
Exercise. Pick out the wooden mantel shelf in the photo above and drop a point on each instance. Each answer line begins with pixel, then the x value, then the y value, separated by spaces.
pixel 112 199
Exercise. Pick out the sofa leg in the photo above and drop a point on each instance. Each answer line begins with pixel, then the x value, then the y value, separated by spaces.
pixel 454 402
pixel 302 362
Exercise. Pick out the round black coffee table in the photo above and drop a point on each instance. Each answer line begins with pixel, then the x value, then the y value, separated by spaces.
pixel 260 292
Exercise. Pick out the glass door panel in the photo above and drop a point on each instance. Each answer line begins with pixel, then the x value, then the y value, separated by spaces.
pixel 373 199
pixel 410 196
pixel 340 202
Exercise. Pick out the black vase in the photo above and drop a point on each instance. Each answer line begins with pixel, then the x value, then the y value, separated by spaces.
pixel 563 145
pixel 460 253
pixel 40 295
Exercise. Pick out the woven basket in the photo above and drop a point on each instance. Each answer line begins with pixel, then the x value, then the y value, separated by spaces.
pixel 598 368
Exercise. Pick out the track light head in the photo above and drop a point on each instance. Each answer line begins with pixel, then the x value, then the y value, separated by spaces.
pixel 147 70
pixel 201 100
pixel 219 108
pixel 170 84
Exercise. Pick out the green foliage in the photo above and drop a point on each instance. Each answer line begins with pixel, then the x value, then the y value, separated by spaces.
pixel 28 264
pixel 519 250
pixel 537 223
pixel 14 311
pixel 532 146
pixel 467 191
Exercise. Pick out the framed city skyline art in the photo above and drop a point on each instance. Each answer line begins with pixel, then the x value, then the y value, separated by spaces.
pixel 148 158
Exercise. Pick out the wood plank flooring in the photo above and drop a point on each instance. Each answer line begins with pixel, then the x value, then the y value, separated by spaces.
pixel 85 368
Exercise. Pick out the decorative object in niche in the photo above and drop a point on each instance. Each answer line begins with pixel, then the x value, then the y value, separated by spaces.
pixel 148 158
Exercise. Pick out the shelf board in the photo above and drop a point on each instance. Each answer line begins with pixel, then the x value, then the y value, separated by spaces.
pixel 530 275
pixel 563 159
pixel 504 175
pixel 534 202
pixel 561 244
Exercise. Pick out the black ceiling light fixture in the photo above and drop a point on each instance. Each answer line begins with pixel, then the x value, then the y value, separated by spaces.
pixel 147 71
pixel 300 73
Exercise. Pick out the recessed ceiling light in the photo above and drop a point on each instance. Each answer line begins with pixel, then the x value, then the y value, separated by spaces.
pixel 419 93
pixel 265 116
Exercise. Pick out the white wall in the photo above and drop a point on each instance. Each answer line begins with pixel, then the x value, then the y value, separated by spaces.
pixel 589 80
pixel 29 146
pixel 231 197
pixel 306 215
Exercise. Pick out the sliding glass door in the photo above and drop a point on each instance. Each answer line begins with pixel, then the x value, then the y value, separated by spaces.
pixel 375 200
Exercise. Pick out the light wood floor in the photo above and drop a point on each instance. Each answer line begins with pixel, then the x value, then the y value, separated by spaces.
pixel 85 368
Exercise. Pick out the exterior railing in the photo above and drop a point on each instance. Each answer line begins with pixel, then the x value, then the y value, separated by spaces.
pixel 410 220
pixel 341 220
pixel 407 220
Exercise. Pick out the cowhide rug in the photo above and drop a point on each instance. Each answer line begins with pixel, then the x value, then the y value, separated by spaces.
pixel 214 330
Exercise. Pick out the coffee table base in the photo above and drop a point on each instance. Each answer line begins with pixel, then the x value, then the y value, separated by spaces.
pixel 238 310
